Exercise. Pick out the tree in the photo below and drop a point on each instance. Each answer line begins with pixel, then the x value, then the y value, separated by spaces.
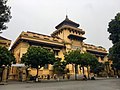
pixel 37 57
pixel 6 59
pixel 59 67
pixel 114 29
pixel 97 68
pixel 73 57
pixel 114 55
pixel 4 14
pixel 88 60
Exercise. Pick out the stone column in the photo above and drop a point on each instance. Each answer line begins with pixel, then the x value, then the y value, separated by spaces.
pixel 4 76
pixel 23 74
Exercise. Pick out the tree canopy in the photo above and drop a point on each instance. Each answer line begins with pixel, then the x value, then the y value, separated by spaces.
pixel 6 57
pixel 59 67
pixel 4 14
pixel 88 60
pixel 38 56
pixel 114 29
pixel 83 59
pixel 114 55
pixel 98 67
pixel 114 51
pixel 74 57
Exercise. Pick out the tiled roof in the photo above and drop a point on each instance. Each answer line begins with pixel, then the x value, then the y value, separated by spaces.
pixel 67 21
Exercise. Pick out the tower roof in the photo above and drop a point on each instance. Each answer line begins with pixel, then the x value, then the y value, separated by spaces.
pixel 67 21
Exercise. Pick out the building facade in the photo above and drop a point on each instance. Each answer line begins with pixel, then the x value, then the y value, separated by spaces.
pixel 5 42
pixel 67 36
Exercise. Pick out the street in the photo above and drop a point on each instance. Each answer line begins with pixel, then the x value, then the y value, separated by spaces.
pixel 106 84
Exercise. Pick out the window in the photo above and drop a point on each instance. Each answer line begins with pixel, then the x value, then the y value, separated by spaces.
pixel 76 32
pixel 26 34
pixel 35 36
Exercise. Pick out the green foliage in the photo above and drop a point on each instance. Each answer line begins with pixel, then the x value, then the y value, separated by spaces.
pixel 38 56
pixel 114 29
pixel 73 57
pixel 59 67
pixel 114 51
pixel 88 59
pixel 4 14
pixel 98 67
pixel 114 55
pixel 85 59
pixel 6 57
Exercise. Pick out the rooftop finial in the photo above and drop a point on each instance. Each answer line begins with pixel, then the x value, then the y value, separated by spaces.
pixel 66 17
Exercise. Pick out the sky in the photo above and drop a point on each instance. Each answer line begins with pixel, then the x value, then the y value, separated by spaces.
pixel 41 16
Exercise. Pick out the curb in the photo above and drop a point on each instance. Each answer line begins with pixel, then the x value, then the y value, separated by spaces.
pixel 3 83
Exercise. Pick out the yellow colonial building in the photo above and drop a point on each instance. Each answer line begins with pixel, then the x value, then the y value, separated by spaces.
pixel 67 36
pixel 5 42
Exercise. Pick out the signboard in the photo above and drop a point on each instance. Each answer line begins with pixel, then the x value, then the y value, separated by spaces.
pixel 18 65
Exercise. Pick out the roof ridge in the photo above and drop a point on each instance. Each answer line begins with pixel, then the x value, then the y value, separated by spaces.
pixel 3 38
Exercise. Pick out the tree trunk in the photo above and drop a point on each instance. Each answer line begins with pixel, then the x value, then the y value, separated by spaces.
pixel 8 69
pixel 0 76
pixel 76 71
pixel 88 72
pixel 107 70
pixel 2 73
pixel 83 70
pixel 117 72
pixel 114 71
pixel 37 74
pixel 26 73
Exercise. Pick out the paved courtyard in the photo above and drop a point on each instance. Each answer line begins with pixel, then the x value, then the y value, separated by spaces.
pixel 107 84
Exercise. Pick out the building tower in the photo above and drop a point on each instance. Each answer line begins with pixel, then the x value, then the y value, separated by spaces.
pixel 71 34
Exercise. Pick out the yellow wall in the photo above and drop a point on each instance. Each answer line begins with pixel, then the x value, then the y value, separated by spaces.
pixel 22 47
pixel 5 43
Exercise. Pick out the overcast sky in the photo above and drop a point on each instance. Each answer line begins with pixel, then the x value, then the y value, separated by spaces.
pixel 42 16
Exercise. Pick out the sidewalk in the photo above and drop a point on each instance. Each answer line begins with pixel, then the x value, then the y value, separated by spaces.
pixel 52 80
pixel 41 81
pixel 103 78
pixel 3 83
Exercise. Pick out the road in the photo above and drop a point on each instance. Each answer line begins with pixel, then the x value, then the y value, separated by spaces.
pixel 107 84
